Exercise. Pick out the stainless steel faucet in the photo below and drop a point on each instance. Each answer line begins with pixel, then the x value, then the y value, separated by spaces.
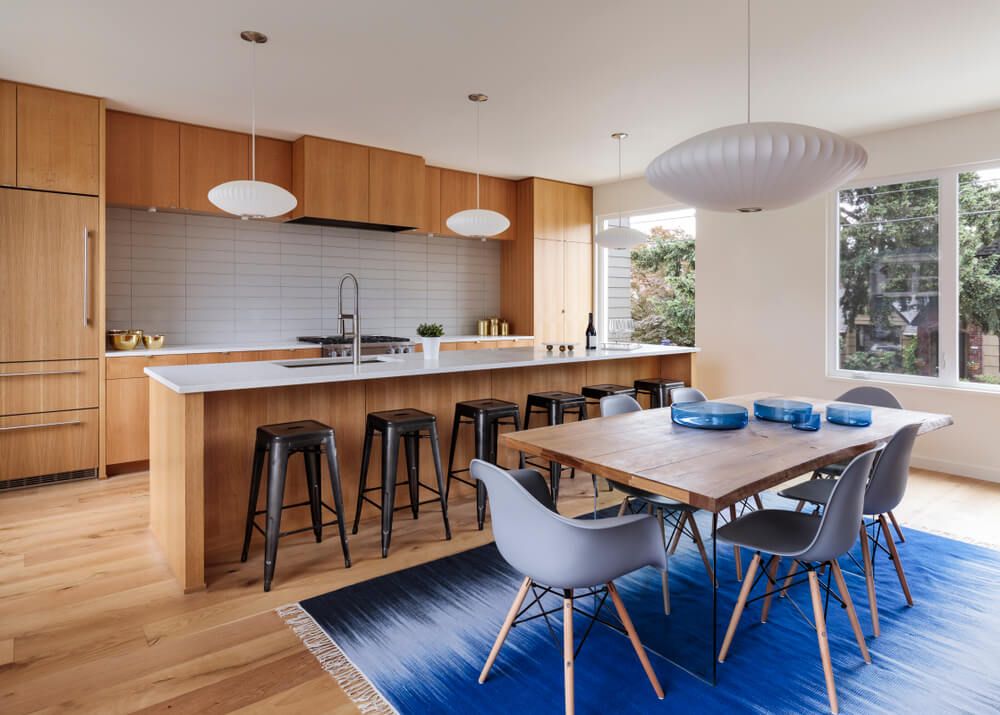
pixel 354 317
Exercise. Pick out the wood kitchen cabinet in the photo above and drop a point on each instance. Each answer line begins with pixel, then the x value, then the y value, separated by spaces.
pixel 209 157
pixel 8 133
pixel 48 276
pixel 562 212
pixel 430 214
pixel 458 193
pixel 27 387
pixel 58 140
pixel 48 443
pixel 330 179
pixel 578 287
pixel 143 161
pixel 500 195
pixel 274 162
pixel 549 290
pixel 396 186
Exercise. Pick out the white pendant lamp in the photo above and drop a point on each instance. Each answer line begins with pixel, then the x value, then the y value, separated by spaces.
pixel 252 199
pixel 477 222
pixel 757 165
pixel 620 236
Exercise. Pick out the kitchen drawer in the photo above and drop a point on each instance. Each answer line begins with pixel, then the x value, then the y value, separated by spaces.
pixel 472 345
pixel 299 354
pixel 124 367
pixel 232 356
pixel 34 445
pixel 47 386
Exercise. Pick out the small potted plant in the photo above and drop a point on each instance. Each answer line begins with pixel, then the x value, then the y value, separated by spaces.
pixel 430 337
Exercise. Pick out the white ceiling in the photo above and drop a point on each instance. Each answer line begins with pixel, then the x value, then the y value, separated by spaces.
pixel 561 74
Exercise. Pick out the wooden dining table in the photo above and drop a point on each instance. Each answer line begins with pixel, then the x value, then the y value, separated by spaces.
pixel 710 469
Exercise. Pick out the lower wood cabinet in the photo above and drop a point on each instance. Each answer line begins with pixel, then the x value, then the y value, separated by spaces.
pixel 27 387
pixel 48 443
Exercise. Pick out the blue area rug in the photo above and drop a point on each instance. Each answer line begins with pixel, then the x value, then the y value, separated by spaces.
pixel 415 641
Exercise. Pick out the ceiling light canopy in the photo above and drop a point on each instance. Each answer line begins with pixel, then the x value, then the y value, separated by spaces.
pixel 620 236
pixel 755 166
pixel 477 222
pixel 251 198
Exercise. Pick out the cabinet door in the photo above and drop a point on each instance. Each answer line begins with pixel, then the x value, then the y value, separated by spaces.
pixel 27 387
pixel 578 284
pixel 274 162
pixel 578 213
pixel 430 219
pixel 48 251
pixel 458 193
pixel 549 280
pixel 208 158
pixel 8 133
pixel 548 199
pixel 143 161
pixel 500 195
pixel 396 186
pixel 48 443
pixel 330 179
pixel 127 420
pixel 58 138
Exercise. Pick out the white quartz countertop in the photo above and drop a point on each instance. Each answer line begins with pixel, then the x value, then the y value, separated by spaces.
pixel 289 344
pixel 186 379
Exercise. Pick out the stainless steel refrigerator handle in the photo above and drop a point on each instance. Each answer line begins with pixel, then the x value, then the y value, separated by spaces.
pixel 86 277
pixel 39 374
pixel 47 424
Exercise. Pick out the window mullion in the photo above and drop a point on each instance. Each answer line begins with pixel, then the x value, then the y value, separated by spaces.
pixel 948 324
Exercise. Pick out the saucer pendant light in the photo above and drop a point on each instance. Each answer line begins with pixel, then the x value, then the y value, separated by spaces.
pixel 620 236
pixel 252 199
pixel 757 165
pixel 477 222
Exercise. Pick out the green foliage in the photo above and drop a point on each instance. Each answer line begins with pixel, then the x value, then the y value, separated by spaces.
pixel 872 361
pixel 430 330
pixel 663 283
pixel 910 357
pixel 979 284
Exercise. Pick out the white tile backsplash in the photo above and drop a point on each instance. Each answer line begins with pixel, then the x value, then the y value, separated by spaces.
pixel 206 278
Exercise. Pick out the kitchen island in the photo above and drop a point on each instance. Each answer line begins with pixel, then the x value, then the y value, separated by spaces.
pixel 203 418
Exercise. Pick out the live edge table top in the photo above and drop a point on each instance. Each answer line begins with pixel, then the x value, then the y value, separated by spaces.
pixel 709 469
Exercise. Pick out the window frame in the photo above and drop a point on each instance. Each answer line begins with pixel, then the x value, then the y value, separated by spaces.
pixel 601 259
pixel 949 355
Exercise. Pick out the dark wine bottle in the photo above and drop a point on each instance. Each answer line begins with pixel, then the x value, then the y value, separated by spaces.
pixel 591 339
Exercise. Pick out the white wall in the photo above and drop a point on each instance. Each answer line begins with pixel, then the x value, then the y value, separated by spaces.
pixel 762 294
pixel 203 279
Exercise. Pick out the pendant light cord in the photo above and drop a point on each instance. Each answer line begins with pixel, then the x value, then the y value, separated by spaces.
pixel 619 176
pixel 253 111
pixel 477 154
pixel 748 61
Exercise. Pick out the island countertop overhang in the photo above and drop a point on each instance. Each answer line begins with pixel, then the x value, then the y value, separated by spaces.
pixel 188 379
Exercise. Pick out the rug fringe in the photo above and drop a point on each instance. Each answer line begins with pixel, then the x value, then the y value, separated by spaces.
pixel 333 660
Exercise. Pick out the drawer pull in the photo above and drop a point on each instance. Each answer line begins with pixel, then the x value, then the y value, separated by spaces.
pixel 40 426
pixel 37 374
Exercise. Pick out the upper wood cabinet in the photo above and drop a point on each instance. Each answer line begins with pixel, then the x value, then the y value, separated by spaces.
pixel 209 157
pixel 48 276
pixel 274 162
pixel 578 213
pixel 143 161
pixel 562 212
pixel 330 179
pixel 458 192
pixel 8 133
pixel 430 216
pixel 58 141
pixel 396 188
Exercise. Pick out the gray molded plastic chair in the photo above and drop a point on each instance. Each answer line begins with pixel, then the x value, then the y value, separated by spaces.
pixel 560 555
pixel 873 397
pixel 678 515
pixel 686 394
pixel 812 542
pixel 885 491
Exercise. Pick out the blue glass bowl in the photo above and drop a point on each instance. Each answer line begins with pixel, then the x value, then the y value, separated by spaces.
pixel 710 415
pixel 850 415
pixel 775 409
pixel 809 424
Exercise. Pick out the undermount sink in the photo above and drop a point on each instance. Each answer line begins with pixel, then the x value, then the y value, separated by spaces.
pixel 321 362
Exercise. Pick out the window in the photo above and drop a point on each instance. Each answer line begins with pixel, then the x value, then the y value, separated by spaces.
pixel 653 284
pixel 917 287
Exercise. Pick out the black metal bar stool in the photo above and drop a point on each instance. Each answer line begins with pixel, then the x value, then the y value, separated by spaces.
pixel 281 441
pixel 412 426
pixel 594 393
pixel 657 389
pixel 555 406
pixel 486 417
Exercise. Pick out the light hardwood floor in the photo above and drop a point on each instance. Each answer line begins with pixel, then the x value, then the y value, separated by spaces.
pixel 92 621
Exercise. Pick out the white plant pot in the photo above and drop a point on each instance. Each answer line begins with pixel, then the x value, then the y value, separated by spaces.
pixel 432 348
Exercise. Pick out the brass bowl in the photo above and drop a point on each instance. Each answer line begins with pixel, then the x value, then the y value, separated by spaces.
pixel 153 342
pixel 124 341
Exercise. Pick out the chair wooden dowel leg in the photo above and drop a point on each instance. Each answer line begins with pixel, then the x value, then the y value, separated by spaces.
pixel 838 576
pixel 772 576
pixel 701 549
pixel 824 645
pixel 788 578
pixel 741 603
pixel 665 576
pixel 866 557
pixel 634 637
pixel 678 532
pixel 623 507
pixel 800 505
pixel 895 525
pixel 758 502
pixel 895 559
pixel 736 549
pixel 505 629
pixel 568 650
